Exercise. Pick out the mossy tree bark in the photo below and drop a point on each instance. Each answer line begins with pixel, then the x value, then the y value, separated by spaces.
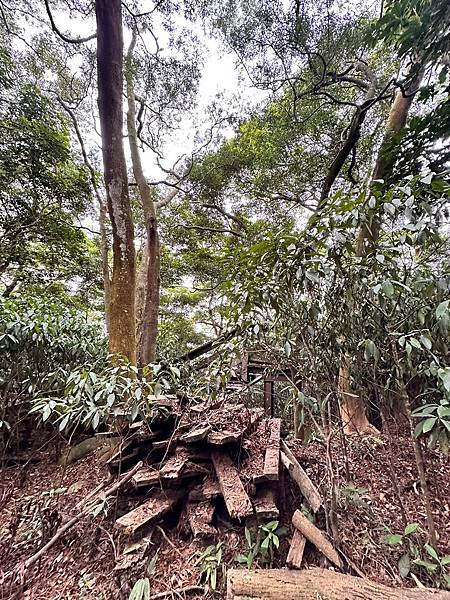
pixel 148 289
pixel 122 336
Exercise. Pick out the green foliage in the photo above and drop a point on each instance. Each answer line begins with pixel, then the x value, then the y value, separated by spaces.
pixel 93 396
pixel 262 544
pixel 43 193
pixel 40 343
pixel 141 590
pixel 351 494
pixel 433 566
pixel 211 565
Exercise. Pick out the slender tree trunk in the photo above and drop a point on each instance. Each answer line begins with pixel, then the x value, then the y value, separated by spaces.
pixel 353 412
pixel 122 334
pixel 149 273
pixel 104 250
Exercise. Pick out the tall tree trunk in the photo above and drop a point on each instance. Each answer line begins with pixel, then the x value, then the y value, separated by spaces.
pixel 149 272
pixel 122 333
pixel 353 413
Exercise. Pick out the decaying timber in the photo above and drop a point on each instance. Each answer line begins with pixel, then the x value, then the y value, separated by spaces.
pixel 316 537
pixel 296 550
pixel 311 584
pixel 308 489
pixel 236 499
pixel 272 457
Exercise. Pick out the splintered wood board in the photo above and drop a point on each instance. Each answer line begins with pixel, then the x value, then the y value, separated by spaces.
pixel 272 457
pixel 151 510
pixel 264 503
pixel 174 467
pixel 236 498
pixel 307 488
pixel 195 435
pixel 296 550
pixel 252 417
pixel 200 515
pixel 145 476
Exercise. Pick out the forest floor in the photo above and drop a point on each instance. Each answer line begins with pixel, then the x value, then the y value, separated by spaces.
pixel 94 561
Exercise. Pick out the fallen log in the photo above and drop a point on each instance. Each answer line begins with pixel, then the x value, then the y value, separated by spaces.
pixel 308 489
pixel 311 584
pixel 296 550
pixel 316 537
pixel 236 499
pixel 272 457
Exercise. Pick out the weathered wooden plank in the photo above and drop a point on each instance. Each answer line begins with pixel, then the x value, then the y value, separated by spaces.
pixel 208 490
pixel 228 437
pixel 308 489
pixel 200 516
pixel 236 499
pixel 195 435
pixel 272 456
pixel 174 467
pixel 296 549
pixel 158 505
pixel 316 537
pixel 264 504
pixel 145 477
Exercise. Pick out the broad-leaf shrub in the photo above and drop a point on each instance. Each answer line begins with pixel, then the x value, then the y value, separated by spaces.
pixel 96 396
pixel 41 342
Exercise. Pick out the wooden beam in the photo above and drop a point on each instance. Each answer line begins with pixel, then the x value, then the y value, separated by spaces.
pixel 296 549
pixel 195 435
pixel 264 504
pixel 236 499
pixel 272 456
pixel 308 489
pixel 154 508
pixel 200 515
pixel 268 397
pixel 311 584
pixel 316 537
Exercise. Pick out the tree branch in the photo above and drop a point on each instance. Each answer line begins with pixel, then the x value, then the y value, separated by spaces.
pixel 64 37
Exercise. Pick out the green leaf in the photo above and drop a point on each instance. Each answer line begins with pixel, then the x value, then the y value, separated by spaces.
pixel 431 551
pixel 429 424
pixel 404 565
pixel 265 543
pixel 141 590
pixel 426 342
pixel 411 528
pixel 442 309
pixel 248 537
pixel 394 539
pixel 445 560
pixel 387 288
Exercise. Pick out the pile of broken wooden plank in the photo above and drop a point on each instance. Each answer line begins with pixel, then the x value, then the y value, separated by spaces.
pixel 208 463
pixel 199 457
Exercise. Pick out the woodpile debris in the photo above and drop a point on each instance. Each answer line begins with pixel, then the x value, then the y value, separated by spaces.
pixel 198 457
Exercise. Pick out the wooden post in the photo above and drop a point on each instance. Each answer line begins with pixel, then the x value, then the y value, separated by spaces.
pixel 268 397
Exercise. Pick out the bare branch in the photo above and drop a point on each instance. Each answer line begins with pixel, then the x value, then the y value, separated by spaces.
pixel 64 37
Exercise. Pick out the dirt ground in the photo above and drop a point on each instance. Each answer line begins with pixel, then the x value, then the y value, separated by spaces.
pixel 94 561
